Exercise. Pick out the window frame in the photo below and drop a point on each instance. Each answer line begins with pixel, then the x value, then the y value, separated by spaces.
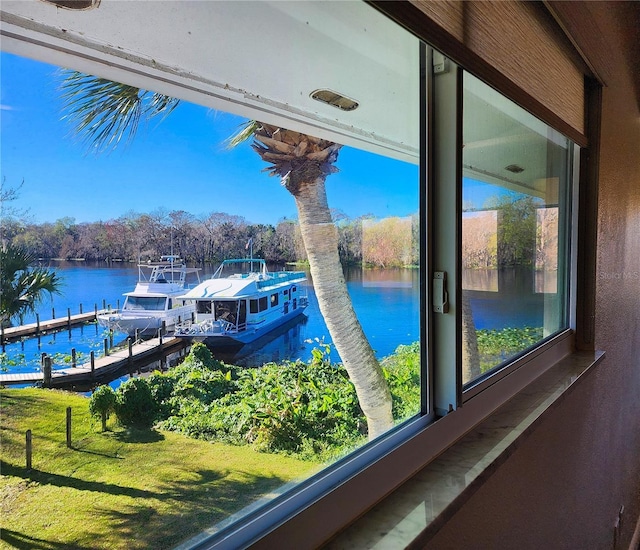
pixel 368 475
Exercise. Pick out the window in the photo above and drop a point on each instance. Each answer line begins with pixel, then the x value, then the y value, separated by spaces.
pixel 464 262
pixel 148 303
pixel 515 230
pixel 203 306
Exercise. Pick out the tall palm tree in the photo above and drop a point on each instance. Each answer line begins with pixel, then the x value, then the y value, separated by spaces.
pixel 22 287
pixel 104 112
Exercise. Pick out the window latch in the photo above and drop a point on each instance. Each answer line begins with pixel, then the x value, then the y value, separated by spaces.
pixel 440 295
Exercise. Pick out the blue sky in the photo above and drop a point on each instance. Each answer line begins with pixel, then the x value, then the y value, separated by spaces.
pixel 180 163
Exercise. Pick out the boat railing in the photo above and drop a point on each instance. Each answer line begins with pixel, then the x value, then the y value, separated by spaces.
pixel 209 326
pixel 278 277
pixel 225 266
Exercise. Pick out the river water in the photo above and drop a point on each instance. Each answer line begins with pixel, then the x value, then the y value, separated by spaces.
pixel 386 301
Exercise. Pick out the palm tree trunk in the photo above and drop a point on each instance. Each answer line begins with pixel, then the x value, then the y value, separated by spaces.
pixel 320 238
pixel 470 354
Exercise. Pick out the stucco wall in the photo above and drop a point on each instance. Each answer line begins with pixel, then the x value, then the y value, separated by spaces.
pixel 564 487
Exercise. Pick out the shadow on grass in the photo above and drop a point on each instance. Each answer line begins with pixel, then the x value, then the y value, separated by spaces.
pixel 48 478
pixel 25 542
pixel 97 453
pixel 186 508
pixel 134 435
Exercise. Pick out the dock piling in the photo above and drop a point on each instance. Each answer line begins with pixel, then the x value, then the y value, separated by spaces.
pixel 80 309
pixel 69 318
pixel 73 358
pixel 106 347
pixel 37 323
pixel 53 312
pixel 92 360
pixel 46 380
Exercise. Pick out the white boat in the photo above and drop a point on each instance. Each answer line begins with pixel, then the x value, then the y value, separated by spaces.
pixel 242 302
pixel 156 301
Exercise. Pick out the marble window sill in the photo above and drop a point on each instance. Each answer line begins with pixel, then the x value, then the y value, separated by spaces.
pixel 415 511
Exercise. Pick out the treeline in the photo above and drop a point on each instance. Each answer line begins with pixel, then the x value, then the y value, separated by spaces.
pixel 211 238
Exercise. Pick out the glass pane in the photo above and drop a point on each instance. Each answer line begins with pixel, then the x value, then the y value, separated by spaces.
pixel 514 237
pixel 272 398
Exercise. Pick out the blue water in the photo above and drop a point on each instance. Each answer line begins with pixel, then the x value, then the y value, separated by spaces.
pixel 386 301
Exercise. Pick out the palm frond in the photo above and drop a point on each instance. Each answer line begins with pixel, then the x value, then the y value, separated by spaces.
pixel 246 132
pixel 103 112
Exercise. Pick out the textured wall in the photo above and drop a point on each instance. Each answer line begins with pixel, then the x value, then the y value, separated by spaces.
pixel 563 488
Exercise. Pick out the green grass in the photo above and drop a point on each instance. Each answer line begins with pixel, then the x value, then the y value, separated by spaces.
pixel 122 488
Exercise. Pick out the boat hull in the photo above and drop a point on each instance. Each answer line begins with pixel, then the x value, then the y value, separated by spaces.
pixel 144 325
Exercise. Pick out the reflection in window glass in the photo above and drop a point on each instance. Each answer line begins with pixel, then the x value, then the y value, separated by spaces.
pixel 514 238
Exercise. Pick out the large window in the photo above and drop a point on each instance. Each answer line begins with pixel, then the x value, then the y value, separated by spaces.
pixel 515 230
pixel 436 248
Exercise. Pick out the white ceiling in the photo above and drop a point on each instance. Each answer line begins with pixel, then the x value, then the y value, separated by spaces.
pixel 263 59
pixel 259 59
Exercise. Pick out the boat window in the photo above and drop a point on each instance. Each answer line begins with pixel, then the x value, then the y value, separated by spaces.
pixel 147 303
pixel 203 306
pixel 274 299
pixel 226 310
pixel 253 306
pixel 263 303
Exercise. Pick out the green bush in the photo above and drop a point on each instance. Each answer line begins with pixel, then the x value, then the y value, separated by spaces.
pixel 495 346
pixel 201 353
pixel 102 404
pixel 307 409
pixel 135 405
pixel 402 372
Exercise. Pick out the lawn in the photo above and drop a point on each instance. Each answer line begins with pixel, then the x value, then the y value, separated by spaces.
pixel 122 488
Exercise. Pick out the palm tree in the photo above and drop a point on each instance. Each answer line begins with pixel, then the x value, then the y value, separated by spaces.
pixel 22 287
pixel 104 112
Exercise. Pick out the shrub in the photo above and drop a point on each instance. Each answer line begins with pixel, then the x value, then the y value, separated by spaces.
pixel 135 405
pixel 201 353
pixel 307 409
pixel 402 372
pixel 102 404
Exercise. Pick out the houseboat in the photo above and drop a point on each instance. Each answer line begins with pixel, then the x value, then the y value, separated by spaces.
pixel 156 301
pixel 242 302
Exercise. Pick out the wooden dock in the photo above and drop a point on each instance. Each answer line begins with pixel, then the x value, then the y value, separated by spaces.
pixel 133 357
pixel 12 334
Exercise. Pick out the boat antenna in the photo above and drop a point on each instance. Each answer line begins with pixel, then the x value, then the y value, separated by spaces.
pixel 249 246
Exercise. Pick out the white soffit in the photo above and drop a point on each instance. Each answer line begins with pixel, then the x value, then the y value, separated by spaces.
pixel 257 59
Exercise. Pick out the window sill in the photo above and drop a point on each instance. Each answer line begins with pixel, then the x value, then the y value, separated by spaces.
pixel 421 506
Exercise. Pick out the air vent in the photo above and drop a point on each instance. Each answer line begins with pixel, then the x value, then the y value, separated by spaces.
pixel 514 168
pixel 74 4
pixel 335 99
